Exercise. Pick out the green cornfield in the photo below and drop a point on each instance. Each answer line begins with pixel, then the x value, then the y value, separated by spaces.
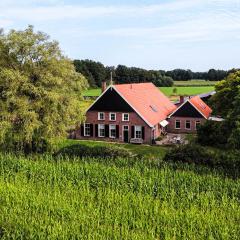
pixel 45 198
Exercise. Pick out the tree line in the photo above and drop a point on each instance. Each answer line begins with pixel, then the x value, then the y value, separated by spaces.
pixel 96 73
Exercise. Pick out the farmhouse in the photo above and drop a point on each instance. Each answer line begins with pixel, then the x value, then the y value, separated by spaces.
pixel 139 113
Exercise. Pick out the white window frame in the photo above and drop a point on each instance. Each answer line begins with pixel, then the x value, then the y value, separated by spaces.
pixel 101 127
pixel 186 121
pixel 198 122
pixel 177 120
pixel 84 130
pixel 99 114
pixel 135 131
pixel 112 127
pixel 115 116
pixel 123 119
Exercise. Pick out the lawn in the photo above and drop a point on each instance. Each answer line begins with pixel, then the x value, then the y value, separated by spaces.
pixel 45 198
pixel 186 91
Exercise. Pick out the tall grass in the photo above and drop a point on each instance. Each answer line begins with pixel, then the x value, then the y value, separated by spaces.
pixel 45 198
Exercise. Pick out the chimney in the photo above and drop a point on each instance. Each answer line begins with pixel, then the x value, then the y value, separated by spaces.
pixel 104 86
pixel 181 99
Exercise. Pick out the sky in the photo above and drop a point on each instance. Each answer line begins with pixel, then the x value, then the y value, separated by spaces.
pixel 163 34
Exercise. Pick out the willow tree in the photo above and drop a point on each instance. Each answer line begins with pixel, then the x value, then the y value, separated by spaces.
pixel 40 91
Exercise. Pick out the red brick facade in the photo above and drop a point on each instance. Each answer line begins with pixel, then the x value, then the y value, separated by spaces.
pixel 134 120
pixel 171 128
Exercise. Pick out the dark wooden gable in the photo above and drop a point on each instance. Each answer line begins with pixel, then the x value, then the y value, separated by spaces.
pixel 187 110
pixel 111 101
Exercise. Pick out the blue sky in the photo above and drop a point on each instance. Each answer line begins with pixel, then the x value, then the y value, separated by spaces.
pixel 168 34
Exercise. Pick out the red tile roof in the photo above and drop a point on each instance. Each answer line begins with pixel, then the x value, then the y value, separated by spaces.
pixel 147 100
pixel 201 106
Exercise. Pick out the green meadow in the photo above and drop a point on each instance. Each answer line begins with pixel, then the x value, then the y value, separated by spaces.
pixel 168 91
pixel 42 197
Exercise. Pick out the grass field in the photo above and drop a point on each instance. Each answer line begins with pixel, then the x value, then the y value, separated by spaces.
pixel 186 91
pixel 195 83
pixel 45 198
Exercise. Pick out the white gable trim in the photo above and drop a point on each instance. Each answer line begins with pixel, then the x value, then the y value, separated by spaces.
pixel 198 110
pixel 99 97
pixel 184 104
pixel 112 86
pixel 177 109
pixel 150 125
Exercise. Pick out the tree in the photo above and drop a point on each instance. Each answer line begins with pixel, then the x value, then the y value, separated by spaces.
pixel 95 72
pixel 226 102
pixel 216 75
pixel 226 92
pixel 40 90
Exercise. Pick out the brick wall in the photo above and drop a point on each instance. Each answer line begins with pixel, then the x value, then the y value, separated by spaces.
pixel 171 126
pixel 134 119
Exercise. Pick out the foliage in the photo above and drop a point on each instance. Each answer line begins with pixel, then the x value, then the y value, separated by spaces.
pixel 112 199
pixel 109 151
pixel 95 72
pixel 216 75
pixel 226 91
pixel 125 74
pixel 193 153
pixel 213 133
pixel 211 75
pixel 225 102
pixel 40 91
pixel 146 151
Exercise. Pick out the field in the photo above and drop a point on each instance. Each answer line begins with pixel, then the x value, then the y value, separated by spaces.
pixel 45 198
pixel 185 90
pixel 195 83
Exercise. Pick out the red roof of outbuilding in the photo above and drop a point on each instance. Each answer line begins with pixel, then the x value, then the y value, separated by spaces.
pixel 201 106
pixel 147 100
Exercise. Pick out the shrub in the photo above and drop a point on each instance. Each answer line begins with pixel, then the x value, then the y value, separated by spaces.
pixel 40 145
pixel 228 160
pixel 78 150
pixel 189 154
pixel 213 133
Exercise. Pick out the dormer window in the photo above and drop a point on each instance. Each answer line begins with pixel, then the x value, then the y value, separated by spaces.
pixel 101 116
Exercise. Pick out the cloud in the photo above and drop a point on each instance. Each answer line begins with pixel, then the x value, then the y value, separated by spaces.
pixel 5 23
pixel 213 26
pixel 57 10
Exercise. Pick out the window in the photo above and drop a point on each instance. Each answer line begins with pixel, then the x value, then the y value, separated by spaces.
pixel 125 117
pixel 112 131
pixel 197 124
pixel 138 132
pixel 101 130
pixel 188 124
pixel 112 116
pixel 125 128
pixel 87 130
pixel 177 124
pixel 101 116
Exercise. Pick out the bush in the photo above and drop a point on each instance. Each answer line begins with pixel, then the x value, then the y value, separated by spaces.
pixel 213 133
pixel 228 160
pixel 78 150
pixel 189 154
pixel 40 145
